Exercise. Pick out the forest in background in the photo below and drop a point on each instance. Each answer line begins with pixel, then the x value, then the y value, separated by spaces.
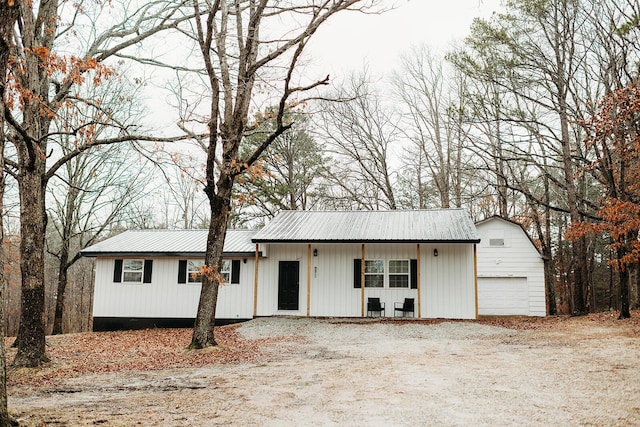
pixel 504 124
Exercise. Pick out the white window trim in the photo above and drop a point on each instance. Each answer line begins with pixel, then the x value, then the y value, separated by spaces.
pixel 125 271
pixel 198 279
pixel 225 271
pixel 407 274
pixel 374 274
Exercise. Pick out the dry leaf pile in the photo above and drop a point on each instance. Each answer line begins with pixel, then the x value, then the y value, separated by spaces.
pixel 74 355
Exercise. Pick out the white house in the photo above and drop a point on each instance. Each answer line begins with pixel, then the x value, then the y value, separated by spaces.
pixel 302 264
pixel 151 277
pixel 510 270
pixel 331 263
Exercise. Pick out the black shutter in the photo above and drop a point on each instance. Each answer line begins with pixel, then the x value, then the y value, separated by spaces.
pixel 413 273
pixel 148 268
pixel 357 273
pixel 117 271
pixel 182 271
pixel 235 271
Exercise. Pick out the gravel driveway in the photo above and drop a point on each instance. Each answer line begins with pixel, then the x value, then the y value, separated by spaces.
pixel 324 372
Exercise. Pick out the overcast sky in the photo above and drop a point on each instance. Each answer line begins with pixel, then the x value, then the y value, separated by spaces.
pixel 351 39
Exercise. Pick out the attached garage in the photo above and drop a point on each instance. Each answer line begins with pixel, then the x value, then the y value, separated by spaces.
pixel 510 271
pixel 506 296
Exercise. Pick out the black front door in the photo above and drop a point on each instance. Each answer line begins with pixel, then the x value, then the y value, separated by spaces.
pixel 288 285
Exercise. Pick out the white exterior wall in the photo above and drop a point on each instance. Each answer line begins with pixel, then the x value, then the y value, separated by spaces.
pixel 503 270
pixel 267 298
pixel 164 297
pixel 447 288
pixel 448 283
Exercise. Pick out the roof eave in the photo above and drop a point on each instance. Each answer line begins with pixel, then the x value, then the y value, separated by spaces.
pixel 364 241
pixel 95 254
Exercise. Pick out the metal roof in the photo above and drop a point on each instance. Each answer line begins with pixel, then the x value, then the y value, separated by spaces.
pixel 170 243
pixel 441 225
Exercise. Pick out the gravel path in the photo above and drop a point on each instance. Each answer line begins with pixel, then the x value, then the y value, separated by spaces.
pixel 327 372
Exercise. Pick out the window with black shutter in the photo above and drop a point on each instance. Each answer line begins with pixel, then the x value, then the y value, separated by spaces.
pixel 235 271
pixel 148 270
pixel 132 271
pixel 414 274
pixel 182 271
pixel 117 271
pixel 357 273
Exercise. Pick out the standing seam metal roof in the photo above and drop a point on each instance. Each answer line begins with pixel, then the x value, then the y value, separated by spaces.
pixel 440 225
pixel 170 242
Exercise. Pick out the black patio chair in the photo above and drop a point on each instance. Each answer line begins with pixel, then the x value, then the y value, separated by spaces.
pixel 375 306
pixel 405 307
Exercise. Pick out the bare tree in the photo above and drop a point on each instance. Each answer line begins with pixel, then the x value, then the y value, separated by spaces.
pixel 96 189
pixel 91 190
pixel 433 98
pixel 43 81
pixel 535 53
pixel 185 203
pixel 246 46
pixel 361 133
pixel 8 17
pixel 4 415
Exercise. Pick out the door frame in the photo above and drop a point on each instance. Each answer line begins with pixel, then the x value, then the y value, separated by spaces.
pixel 285 301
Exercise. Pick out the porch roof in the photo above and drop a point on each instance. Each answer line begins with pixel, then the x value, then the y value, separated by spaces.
pixel 410 226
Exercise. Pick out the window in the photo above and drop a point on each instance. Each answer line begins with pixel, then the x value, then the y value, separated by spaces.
pixel 194 274
pixel 189 271
pixel 132 270
pixel 225 271
pixel 374 273
pixel 399 273
pixel 402 273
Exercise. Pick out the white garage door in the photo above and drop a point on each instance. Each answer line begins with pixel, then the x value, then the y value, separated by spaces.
pixel 502 296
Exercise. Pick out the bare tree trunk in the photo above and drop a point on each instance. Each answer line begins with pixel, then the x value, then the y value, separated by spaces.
pixel 624 294
pixel 203 334
pixel 8 17
pixel 30 142
pixel 579 262
pixel 548 254
pixel 545 240
pixel 31 333
pixel 610 299
pixel 564 268
pixel 63 259
pixel 62 287
pixel 501 179
pixel 635 303
pixel 4 414
pixel 624 283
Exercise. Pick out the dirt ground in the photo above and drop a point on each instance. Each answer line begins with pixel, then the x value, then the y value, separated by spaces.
pixel 323 372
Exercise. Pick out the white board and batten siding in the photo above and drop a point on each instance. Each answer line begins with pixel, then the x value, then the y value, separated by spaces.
pixel 447 281
pixel 164 297
pixel 510 271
